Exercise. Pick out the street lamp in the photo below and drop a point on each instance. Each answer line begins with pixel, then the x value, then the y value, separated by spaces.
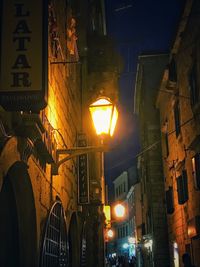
pixel 119 214
pixel 119 210
pixel 104 115
pixel 110 233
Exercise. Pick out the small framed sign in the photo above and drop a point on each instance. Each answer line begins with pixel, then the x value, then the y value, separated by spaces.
pixel 83 173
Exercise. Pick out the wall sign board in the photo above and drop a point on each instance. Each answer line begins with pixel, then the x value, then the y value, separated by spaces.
pixel 24 54
pixel 83 173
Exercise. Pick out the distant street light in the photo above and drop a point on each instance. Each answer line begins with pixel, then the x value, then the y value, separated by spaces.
pixel 119 210
pixel 110 233
pixel 125 245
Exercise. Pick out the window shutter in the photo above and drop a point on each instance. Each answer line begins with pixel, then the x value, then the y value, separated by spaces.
pixel 182 188
pixel 172 71
pixel 143 229
pixel 177 118
pixel 167 144
pixel 170 200
pixel 193 87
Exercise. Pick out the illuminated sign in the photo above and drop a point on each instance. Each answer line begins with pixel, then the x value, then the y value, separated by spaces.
pixel 24 50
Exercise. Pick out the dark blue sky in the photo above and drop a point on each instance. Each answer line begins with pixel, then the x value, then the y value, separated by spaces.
pixel 137 26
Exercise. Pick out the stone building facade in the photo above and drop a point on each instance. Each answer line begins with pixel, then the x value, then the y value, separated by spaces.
pixel 178 102
pixel 46 220
pixel 152 232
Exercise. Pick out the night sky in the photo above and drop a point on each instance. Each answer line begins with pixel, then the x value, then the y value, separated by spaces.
pixel 137 26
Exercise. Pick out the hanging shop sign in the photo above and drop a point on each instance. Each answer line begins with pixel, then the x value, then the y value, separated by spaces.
pixel 24 54
pixel 83 174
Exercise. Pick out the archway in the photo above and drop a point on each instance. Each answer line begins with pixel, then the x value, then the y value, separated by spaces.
pixel 54 251
pixel 18 219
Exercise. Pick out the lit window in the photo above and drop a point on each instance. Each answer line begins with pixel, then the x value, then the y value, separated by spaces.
pixel 196 170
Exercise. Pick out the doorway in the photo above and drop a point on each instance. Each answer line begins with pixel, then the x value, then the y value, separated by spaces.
pixel 18 219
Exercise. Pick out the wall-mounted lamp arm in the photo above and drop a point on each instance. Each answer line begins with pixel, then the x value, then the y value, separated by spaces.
pixel 64 62
pixel 74 152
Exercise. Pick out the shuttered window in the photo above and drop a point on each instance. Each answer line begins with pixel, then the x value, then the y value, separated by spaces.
pixel 170 200
pixel 182 188
pixel 177 118
pixel 167 144
pixel 193 87
pixel 172 71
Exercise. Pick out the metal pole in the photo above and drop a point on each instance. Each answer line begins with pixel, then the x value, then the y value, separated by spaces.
pixel 103 200
pixel 102 179
pixel 103 203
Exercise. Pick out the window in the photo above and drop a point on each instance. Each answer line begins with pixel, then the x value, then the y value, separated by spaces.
pixel 95 18
pixel 118 232
pixel 143 228
pixel 196 170
pixel 116 192
pixel 170 200
pixel 172 70
pixel 55 243
pixel 193 88
pixel 123 231
pixel 177 118
pixel 164 130
pixel 182 188
pixel 126 230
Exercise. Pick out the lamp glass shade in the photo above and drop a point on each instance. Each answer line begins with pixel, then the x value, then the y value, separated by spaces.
pixel 104 115
pixel 119 210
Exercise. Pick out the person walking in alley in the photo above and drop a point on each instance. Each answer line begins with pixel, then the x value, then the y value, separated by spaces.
pixel 186 259
pixel 132 262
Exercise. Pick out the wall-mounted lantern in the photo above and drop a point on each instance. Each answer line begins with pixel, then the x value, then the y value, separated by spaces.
pixel 104 116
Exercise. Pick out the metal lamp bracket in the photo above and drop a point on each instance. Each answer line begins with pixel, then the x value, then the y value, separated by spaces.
pixel 74 152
